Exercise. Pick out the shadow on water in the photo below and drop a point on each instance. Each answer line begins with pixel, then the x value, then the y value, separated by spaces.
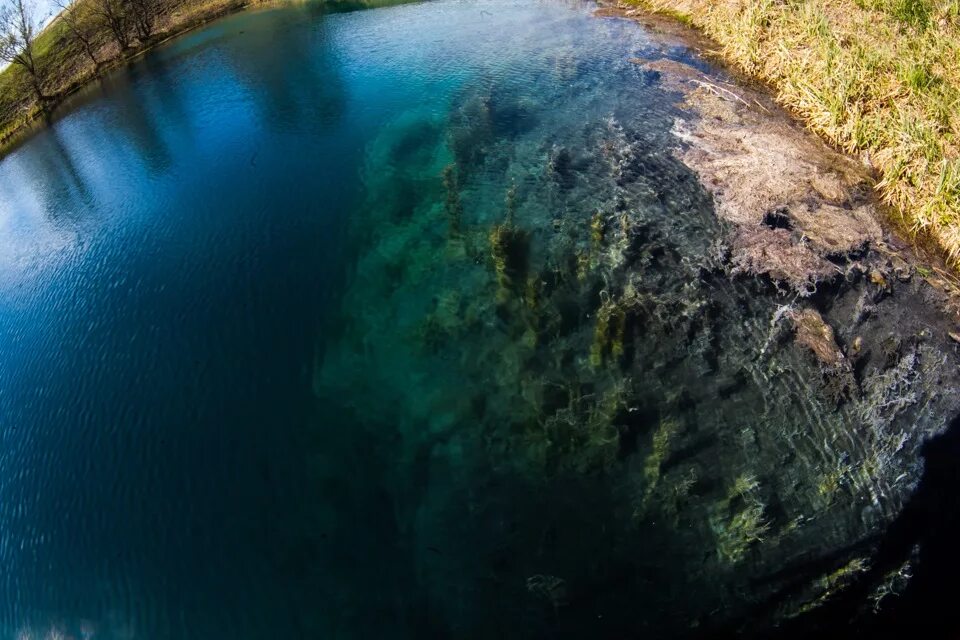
pixel 57 168
pixel 70 173
pixel 310 93
pixel 164 87
pixel 141 125
pixel 930 527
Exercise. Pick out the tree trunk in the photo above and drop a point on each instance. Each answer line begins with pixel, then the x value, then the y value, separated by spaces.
pixel 37 89
pixel 120 35
pixel 88 49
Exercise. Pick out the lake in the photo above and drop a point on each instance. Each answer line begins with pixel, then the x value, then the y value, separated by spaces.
pixel 392 323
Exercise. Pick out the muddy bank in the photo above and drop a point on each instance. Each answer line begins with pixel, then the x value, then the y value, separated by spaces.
pixel 801 224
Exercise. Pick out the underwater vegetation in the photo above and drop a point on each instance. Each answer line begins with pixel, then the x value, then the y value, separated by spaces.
pixel 564 320
pixel 740 522
pixel 609 333
pixel 508 251
pixel 454 207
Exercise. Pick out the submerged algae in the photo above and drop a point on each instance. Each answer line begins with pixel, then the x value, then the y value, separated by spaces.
pixel 739 521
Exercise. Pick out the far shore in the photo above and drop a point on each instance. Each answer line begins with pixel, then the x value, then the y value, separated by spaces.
pixel 67 70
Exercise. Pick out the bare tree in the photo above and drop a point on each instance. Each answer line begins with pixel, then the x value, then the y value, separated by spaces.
pixel 112 14
pixel 143 14
pixel 82 31
pixel 18 29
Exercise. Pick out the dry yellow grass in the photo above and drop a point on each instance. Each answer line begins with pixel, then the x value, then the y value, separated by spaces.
pixel 878 78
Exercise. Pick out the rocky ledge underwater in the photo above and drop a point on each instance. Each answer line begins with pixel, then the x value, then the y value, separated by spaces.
pixel 634 356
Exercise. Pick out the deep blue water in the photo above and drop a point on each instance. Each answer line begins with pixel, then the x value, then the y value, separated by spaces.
pixel 215 267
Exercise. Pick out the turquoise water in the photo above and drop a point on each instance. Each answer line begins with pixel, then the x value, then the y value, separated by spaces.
pixel 395 323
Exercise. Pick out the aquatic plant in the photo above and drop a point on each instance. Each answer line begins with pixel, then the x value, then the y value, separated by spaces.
pixel 532 310
pixel 582 435
pixel 678 494
pixel 510 203
pixel 666 493
pixel 829 585
pixel 830 482
pixel 895 581
pixel 574 439
pixel 453 206
pixel 660 444
pixel 609 332
pixel 743 485
pixel 582 265
pixel 598 227
pixel 739 520
pixel 509 246
pixel 508 252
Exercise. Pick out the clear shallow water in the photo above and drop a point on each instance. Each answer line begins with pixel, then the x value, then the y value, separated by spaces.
pixel 312 326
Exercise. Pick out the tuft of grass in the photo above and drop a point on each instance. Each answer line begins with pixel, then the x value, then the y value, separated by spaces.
pixel 912 12
pixel 876 78
pixel 919 78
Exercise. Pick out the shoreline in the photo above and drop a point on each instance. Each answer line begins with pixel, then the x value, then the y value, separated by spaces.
pixel 918 248
pixel 866 81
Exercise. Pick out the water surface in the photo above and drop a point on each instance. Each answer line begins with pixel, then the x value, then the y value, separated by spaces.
pixel 312 325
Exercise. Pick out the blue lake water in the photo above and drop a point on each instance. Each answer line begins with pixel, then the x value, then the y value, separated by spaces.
pixel 302 317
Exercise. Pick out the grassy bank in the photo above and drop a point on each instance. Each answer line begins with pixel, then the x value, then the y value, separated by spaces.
pixel 878 78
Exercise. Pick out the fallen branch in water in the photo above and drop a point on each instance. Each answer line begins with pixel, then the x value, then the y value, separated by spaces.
pixel 720 92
